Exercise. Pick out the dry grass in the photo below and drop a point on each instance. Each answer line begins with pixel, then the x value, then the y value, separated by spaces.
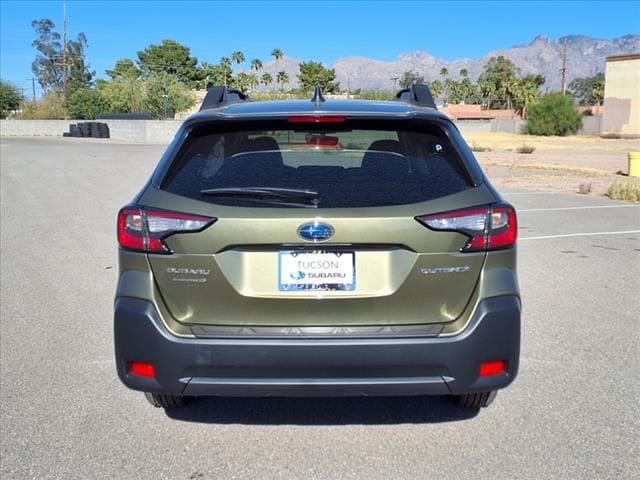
pixel 478 148
pixel 502 141
pixel 587 172
pixel 624 191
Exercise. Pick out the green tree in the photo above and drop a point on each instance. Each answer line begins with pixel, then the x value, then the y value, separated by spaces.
pixel 124 67
pixel 48 65
pixel 282 79
pixel 464 73
pixel 444 73
pixel 165 96
pixel 528 92
pixel 410 78
pixel 499 78
pixel 277 54
pixel 86 103
pixel 10 98
pixel 256 64
pixel 314 74
pixel 237 57
pixel 589 90
pixel 554 114
pixel 169 57
pixel 266 79
pixel 79 75
pixel 436 88
pixel 225 64
pixel 124 94
pixel 253 80
pixel 242 81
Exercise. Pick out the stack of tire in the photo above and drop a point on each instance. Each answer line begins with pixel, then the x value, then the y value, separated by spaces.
pixel 88 130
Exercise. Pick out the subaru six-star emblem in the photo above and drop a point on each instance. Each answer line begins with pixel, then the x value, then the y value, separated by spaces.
pixel 316 231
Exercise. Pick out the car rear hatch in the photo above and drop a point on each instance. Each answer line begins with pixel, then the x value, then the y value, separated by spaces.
pixel 304 225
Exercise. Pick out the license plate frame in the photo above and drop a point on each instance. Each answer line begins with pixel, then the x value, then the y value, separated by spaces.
pixel 337 271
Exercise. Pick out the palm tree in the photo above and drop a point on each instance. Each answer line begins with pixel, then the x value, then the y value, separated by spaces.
pixel 253 80
pixel 277 54
pixel 237 57
pixel 282 78
pixel 443 73
pixel 266 79
pixel 256 64
pixel 464 73
pixel 225 64
pixel 510 88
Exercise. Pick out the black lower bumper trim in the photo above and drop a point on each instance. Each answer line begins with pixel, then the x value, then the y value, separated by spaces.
pixel 318 367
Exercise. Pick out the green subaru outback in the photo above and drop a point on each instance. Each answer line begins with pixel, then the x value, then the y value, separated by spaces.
pixel 317 248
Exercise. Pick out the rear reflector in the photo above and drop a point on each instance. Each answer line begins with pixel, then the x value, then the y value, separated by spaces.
pixel 142 369
pixel 144 229
pixel 496 367
pixel 316 119
pixel 489 228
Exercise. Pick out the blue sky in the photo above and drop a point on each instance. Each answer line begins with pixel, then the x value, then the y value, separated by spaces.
pixel 323 31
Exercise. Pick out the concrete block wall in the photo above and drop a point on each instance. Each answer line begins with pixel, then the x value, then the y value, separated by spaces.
pixel 134 131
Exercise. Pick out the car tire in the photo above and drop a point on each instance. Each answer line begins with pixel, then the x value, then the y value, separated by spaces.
pixel 475 400
pixel 166 401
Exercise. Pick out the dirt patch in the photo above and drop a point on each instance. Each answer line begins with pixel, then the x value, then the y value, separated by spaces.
pixel 586 165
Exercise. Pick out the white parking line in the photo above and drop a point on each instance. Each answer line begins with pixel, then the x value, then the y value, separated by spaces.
pixel 530 193
pixel 574 208
pixel 586 234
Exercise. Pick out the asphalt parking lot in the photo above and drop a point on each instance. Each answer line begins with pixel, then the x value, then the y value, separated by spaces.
pixel 572 413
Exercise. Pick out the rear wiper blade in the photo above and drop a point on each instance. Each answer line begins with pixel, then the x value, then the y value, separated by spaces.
pixel 270 194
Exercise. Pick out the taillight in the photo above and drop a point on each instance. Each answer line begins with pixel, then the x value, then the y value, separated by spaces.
pixel 489 228
pixel 144 229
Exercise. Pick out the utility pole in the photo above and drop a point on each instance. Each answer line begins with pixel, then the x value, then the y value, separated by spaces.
pixel 33 88
pixel 64 53
pixel 563 70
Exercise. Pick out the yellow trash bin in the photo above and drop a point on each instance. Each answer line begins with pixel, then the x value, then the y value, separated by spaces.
pixel 634 164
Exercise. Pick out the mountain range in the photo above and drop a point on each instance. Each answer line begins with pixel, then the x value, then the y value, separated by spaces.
pixel 585 57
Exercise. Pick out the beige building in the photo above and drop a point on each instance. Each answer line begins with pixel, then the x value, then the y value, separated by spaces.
pixel 622 96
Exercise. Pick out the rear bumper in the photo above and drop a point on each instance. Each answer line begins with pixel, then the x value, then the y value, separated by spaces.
pixel 313 367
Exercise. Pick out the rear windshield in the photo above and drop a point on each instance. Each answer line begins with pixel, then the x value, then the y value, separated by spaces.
pixel 334 165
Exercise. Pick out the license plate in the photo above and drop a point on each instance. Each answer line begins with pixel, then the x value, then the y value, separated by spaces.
pixel 316 270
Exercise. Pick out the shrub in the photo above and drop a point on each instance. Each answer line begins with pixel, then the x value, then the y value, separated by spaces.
pixel 526 149
pixel 374 95
pixel 624 191
pixel 479 148
pixel 554 114
pixel 49 107
pixel 85 104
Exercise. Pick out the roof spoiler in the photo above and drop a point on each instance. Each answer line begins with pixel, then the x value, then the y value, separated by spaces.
pixel 417 95
pixel 219 96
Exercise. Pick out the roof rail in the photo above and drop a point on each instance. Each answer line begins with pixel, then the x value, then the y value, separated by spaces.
pixel 418 95
pixel 219 96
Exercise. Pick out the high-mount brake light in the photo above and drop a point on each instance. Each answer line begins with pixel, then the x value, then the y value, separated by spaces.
pixel 144 230
pixel 489 228
pixel 316 119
